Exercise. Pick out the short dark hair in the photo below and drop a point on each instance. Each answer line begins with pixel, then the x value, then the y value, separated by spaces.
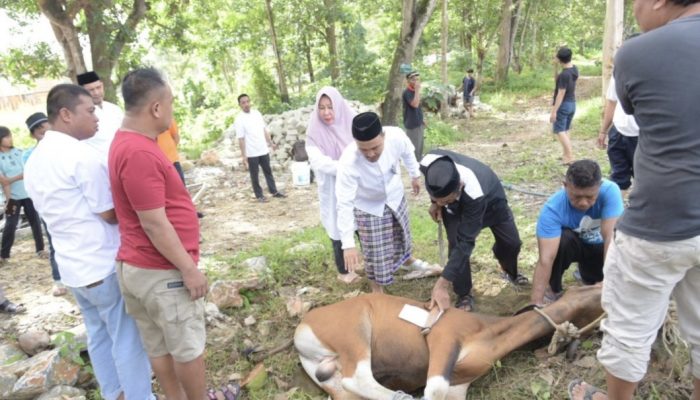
pixel 4 131
pixel 584 174
pixel 242 95
pixel 65 95
pixel 138 84
pixel 470 70
pixel 564 54
pixel 685 3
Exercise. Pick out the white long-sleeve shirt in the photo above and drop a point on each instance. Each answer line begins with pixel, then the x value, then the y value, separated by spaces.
pixel 369 186
pixel 110 118
pixel 325 169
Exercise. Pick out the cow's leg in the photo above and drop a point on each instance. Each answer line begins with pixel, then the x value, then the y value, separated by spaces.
pixel 457 392
pixel 363 384
pixel 444 353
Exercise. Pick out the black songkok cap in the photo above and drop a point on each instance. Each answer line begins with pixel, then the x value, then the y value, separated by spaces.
pixel 366 126
pixel 35 120
pixel 441 177
pixel 88 77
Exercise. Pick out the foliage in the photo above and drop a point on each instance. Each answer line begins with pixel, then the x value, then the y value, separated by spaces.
pixel 68 347
pixel 439 134
pixel 25 65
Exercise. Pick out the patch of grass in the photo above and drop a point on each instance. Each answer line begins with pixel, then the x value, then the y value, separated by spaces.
pixel 439 133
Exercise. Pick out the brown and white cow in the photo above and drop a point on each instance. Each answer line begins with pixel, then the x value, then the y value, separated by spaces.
pixel 359 348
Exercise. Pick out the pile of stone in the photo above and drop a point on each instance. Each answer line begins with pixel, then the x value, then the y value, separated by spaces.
pixel 285 129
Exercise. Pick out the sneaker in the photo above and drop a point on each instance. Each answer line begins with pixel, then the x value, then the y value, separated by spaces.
pixel 262 199
pixel 279 195
pixel 465 303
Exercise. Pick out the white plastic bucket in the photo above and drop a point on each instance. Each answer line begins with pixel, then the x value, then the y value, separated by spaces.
pixel 301 173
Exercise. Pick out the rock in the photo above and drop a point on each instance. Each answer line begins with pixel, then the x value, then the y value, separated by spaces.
pixel 49 369
pixel 34 341
pixel 186 165
pixel 212 313
pixel 306 247
pixel 209 158
pixel 63 392
pixel 296 306
pixel 249 321
pixel 225 294
pixel 18 368
pixel 257 265
pixel 10 354
pixel 7 383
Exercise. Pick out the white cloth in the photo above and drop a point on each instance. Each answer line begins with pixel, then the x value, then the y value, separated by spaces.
pixel 110 118
pixel 251 127
pixel 69 186
pixel 624 123
pixel 325 169
pixel 369 186
pixel 640 277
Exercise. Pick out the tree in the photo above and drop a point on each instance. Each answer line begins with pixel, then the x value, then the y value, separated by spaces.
pixel 445 105
pixel 415 15
pixel 614 26
pixel 506 42
pixel 284 94
pixel 331 15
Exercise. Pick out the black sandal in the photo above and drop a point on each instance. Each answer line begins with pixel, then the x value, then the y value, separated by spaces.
pixel 465 303
pixel 9 307
pixel 231 391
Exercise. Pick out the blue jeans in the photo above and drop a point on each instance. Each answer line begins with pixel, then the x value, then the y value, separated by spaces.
pixel 114 345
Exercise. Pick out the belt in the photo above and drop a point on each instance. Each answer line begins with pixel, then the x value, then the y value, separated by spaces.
pixel 95 284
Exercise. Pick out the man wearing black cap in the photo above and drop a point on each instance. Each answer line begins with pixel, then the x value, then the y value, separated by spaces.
pixel 371 199
pixel 110 116
pixel 412 112
pixel 468 196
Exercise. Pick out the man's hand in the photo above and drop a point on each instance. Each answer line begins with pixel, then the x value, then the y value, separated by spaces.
pixel 439 296
pixel 415 185
pixel 417 85
pixel 352 259
pixel 435 212
pixel 601 141
pixel 272 145
pixel 195 282
pixel 4 181
pixel 245 163
pixel 552 117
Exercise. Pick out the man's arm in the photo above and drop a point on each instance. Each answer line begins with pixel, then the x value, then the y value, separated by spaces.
pixel 557 103
pixel 607 230
pixel 164 238
pixel 547 249
pixel 345 192
pixel 268 139
pixel 109 216
pixel 244 159
pixel 608 113
pixel 415 103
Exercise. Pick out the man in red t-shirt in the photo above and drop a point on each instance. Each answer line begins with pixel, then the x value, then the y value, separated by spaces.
pixel 157 261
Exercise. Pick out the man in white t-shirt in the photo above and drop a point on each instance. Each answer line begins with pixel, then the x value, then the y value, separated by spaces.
pixel 109 115
pixel 70 188
pixel 622 132
pixel 255 142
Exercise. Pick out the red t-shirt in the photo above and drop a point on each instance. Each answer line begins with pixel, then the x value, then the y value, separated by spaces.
pixel 144 179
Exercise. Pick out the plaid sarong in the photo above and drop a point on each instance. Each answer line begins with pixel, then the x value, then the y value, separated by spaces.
pixel 385 240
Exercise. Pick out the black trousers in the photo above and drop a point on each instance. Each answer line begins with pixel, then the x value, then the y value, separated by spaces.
pixel 338 255
pixel 621 150
pixel 12 219
pixel 52 255
pixel 506 247
pixel 573 249
pixel 254 165
pixel 178 168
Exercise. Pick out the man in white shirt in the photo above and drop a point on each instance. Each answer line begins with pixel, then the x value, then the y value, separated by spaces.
pixel 370 196
pixel 622 132
pixel 70 188
pixel 109 115
pixel 255 142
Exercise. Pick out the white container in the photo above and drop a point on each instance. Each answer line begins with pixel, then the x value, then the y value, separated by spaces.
pixel 301 173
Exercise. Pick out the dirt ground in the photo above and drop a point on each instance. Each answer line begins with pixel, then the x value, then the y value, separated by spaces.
pixel 517 145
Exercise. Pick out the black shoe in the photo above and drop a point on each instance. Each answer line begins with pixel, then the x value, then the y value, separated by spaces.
pixel 200 215
pixel 262 199
pixel 279 195
pixel 465 303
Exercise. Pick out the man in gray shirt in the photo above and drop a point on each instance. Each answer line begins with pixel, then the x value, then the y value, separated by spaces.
pixel 655 252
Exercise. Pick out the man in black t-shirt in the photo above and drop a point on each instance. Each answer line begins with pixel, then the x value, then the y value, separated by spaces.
pixel 468 87
pixel 412 112
pixel 564 103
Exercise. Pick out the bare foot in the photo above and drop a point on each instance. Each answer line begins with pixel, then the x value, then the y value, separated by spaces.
pixel 349 278
pixel 581 390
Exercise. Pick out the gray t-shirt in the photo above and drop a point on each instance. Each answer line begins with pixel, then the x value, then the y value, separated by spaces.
pixel 657 80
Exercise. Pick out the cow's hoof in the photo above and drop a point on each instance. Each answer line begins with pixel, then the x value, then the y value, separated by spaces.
pixel 572 349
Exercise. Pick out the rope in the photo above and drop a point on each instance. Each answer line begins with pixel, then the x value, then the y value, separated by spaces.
pixel 670 333
pixel 565 332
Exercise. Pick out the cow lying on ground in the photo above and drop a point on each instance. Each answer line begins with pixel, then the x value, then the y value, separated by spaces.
pixel 359 348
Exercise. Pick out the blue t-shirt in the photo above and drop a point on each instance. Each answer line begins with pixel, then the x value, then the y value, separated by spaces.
pixel 11 165
pixel 558 213
pixel 26 154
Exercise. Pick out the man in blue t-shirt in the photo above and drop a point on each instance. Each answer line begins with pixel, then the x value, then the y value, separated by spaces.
pixel 575 225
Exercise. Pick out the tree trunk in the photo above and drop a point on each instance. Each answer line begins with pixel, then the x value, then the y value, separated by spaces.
pixel 331 15
pixel 66 34
pixel 415 15
pixel 309 64
pixel 514 26
pixel 517 66
pixel 445 106
pixel 505 44
pixel 614 26
pixel 284 94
